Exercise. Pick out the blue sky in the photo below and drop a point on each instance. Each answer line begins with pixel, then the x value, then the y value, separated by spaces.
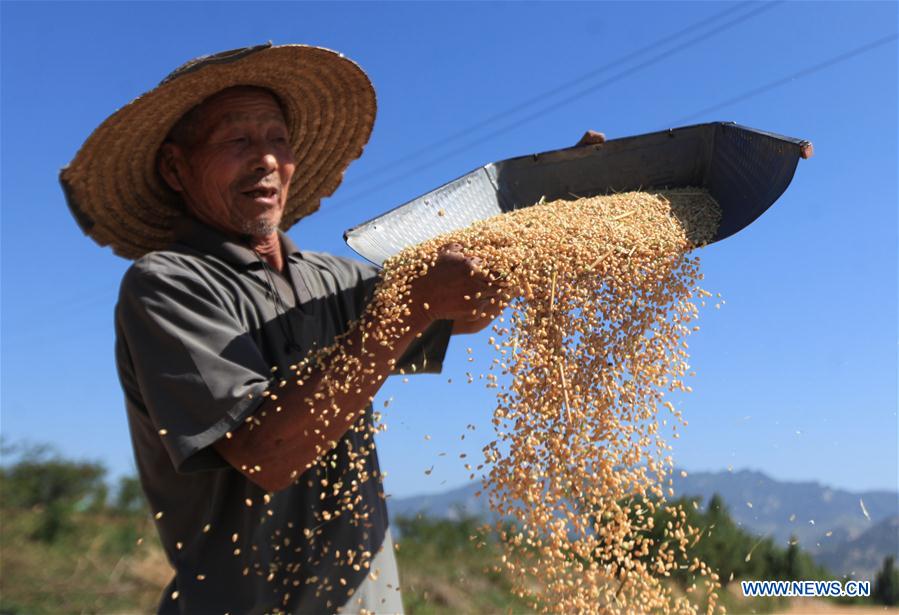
pixel 797 373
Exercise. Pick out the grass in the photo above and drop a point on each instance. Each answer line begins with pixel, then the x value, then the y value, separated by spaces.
pixel 93 564
pixel 443 572
pixel 103 562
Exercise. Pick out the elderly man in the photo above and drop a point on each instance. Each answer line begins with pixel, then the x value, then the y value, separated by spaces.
pixel 261 505
pixel 194 180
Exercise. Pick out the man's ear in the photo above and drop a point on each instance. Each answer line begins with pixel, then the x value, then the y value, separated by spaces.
pixel 167 163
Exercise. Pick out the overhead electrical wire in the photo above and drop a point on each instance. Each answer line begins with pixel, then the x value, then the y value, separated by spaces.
pixel 352 197
pixel 757 91
pixel 771 85
pixel 543 96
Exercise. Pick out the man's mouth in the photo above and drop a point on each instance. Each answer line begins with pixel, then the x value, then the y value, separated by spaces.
pixel 262 193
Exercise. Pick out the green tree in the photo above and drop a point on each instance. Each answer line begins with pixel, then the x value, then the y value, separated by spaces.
pixel 725 546
pixel 792 565
pixel 886 583
pixel 53 487
pixel 38 480
pixel 130 496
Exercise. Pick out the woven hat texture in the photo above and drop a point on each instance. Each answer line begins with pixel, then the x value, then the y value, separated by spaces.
pixel 115 192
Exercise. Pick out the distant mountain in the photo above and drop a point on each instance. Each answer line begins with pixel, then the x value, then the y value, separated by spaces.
pixel 807 510
pixel 863 555
pixel 452 504
pixel 764 506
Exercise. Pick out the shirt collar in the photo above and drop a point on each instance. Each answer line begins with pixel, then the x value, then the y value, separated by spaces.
pixel 290 248
pixel 191 232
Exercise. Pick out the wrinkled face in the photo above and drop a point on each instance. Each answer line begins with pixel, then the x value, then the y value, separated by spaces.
pixel 234 170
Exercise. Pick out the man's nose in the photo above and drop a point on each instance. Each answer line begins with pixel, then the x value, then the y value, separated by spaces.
pixel 262 156
pixel 265 161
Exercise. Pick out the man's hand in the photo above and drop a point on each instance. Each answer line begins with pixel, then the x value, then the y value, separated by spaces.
pixel 457 288
pixel 474 324
pixel 591 137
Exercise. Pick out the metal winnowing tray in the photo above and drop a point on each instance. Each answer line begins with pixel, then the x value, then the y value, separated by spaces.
pixel 744 169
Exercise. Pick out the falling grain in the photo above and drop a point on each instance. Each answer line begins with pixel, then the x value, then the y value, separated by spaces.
pixel 598 314
pixel 599 317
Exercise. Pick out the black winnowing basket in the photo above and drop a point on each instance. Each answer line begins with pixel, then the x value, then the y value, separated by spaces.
pixel 744 169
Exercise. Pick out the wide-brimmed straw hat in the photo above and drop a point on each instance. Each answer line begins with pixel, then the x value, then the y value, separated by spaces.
pixel 112 185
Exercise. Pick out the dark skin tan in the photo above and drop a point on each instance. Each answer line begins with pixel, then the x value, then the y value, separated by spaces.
pixel 233 173
pixel 234 168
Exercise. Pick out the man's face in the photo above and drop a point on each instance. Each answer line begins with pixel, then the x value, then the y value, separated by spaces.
pixel 234 171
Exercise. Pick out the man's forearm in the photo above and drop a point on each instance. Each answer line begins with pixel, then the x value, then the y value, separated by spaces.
pixel 299 423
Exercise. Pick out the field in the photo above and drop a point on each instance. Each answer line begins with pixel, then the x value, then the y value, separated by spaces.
pixel 101 562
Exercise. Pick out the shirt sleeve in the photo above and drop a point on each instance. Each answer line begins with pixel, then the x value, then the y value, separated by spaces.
pixel 186 362
pixel 425 354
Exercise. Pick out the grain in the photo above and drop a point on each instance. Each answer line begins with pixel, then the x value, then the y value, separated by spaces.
pixel 600 294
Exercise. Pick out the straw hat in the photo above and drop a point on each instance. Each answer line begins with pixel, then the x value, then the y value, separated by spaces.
pixel 112 186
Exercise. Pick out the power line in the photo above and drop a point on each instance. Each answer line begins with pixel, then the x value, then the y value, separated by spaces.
pixel 805 72
pixel 828 63
pixel 544 95
pixel 655 59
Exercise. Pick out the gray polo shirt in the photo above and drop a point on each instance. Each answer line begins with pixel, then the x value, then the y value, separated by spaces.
pixel 199 337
